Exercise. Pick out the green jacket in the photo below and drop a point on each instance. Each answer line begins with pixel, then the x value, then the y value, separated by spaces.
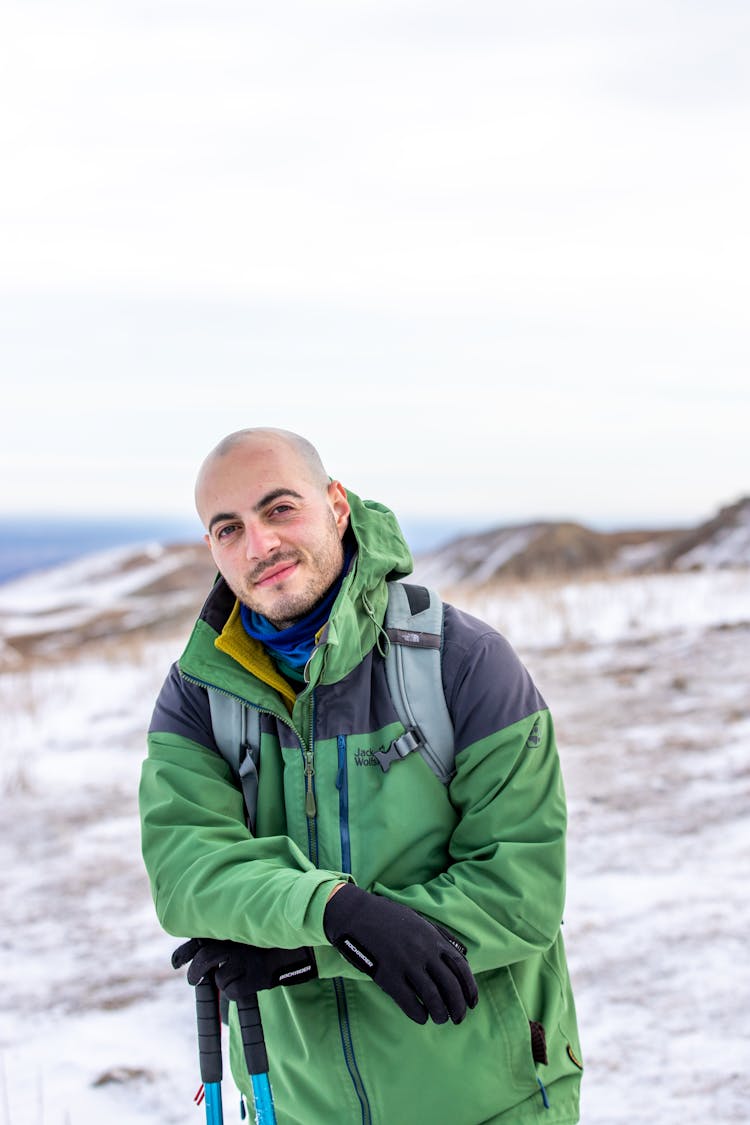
pixel 484 856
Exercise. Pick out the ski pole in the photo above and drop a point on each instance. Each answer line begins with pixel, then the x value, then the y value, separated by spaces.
pixel 256 1058
pixel 209 1048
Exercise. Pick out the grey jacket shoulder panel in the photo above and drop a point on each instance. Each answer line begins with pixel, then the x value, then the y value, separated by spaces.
pixel 182 709
pixel 218 605
pixel 487 688
pixel 357 704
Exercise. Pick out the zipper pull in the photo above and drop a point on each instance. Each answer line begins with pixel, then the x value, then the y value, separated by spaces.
pixel 310 806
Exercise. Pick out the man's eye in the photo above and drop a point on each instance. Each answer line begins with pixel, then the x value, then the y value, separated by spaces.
pixel 226 531
pixel 281 509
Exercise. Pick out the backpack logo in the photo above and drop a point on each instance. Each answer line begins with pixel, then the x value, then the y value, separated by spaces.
pixel 535 737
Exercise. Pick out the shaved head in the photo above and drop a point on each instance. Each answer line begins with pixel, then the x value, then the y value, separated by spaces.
pixel 272 439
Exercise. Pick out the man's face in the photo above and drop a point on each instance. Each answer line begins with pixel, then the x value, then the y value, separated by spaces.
pixel 274 530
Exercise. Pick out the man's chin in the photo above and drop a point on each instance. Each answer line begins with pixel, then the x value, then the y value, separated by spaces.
pixel 287 602
pixel 282 611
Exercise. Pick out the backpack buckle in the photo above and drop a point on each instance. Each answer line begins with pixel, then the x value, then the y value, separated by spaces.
pixel 410 740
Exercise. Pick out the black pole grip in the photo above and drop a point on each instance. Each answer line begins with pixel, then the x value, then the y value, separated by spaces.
pixel 252 1035
pixel 209 1029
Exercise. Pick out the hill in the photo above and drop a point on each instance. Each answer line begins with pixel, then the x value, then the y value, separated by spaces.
pixel 546 550
pixel 143 590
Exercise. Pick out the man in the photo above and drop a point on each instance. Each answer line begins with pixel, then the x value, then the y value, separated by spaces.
pixel 404 934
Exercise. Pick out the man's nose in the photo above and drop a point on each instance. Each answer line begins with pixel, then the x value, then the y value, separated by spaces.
pixel 260 541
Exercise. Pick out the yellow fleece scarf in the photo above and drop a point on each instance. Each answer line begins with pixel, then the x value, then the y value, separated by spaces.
pixel 235 642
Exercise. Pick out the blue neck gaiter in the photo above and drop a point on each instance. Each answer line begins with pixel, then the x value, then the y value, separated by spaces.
pixel 291 648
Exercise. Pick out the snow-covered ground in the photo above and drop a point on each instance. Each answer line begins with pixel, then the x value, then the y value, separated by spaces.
pixel 648 682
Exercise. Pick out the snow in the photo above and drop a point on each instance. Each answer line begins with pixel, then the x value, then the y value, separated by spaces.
pixel 475 561
pixel 515 543
pixel 728 547
pixel 638 556
pixel 601 611
pixel 647 681
pixel 98 579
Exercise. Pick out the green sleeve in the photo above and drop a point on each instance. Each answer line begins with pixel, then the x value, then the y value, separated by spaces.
pixel 209 876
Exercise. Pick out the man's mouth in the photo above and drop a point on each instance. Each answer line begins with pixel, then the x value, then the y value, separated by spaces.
pixel 276 573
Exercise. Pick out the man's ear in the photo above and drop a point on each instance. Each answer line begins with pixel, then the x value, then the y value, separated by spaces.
pixel 339 505
pixel 209 544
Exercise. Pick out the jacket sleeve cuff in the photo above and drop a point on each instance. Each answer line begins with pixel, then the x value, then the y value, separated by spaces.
pixel 329 961
pixel 311 912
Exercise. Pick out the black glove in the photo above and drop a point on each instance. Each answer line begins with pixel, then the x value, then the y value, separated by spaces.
pixel 419 964
pixel 242 970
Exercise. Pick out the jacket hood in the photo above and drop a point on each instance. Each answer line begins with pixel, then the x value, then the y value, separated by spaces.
pixel 383 551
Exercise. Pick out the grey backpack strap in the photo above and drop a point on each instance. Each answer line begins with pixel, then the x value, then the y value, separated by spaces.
pixel 414 625
pixel 236 730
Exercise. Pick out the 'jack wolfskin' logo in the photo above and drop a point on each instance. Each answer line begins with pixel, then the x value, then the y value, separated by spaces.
pixel 535 737
pixel 366 757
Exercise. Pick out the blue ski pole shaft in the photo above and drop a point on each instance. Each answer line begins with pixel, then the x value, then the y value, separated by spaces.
pixel 209 1047
pixel 256 1058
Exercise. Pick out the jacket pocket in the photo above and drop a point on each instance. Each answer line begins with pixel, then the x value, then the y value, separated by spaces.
pixel 514 1031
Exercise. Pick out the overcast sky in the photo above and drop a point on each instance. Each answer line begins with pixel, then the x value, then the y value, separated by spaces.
pixel 491 258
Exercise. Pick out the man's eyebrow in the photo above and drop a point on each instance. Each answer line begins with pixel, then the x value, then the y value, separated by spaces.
pixel 274 495
pixel 267 499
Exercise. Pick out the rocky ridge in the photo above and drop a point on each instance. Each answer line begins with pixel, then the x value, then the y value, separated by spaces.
pixel 558 550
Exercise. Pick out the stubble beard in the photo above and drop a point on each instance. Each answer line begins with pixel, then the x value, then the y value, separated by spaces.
pixel 285 609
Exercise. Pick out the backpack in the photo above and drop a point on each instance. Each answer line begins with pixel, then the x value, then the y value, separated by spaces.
pixel 414 627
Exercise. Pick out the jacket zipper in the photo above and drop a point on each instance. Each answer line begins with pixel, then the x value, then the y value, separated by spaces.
pixel 311 806
pixel 342 784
